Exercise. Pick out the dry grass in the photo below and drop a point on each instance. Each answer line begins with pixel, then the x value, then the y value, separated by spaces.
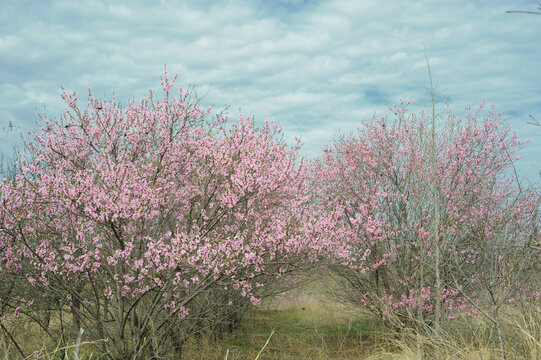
pixel 308 324
pixel 36 345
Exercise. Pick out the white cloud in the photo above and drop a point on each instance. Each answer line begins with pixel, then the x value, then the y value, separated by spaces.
pixel 312 66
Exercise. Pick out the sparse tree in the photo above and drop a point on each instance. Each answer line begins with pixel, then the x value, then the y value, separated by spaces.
pixel 381 179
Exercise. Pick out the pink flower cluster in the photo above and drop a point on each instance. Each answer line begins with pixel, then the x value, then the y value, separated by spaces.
pixel 118 202
pixel 382 184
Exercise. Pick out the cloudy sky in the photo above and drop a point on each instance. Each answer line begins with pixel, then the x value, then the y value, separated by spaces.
pixel 314 67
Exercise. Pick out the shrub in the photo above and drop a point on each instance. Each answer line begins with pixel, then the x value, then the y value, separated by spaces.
pixel 144 225
pixel 434 222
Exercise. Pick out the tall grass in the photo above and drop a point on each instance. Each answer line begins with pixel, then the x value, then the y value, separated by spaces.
pixel 308 324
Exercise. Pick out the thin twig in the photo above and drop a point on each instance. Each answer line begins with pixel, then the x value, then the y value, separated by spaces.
pixel 522 12
pixel 266 343
pixel 77 344
pixel 13 340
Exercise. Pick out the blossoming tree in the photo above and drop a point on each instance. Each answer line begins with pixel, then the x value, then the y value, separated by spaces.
pixel 138 223
pixel 434 220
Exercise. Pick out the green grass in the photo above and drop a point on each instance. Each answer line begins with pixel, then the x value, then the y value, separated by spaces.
pixel 304 326
pixel 309 324
pixel 293 338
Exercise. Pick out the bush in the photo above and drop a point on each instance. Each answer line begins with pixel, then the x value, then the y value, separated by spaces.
pixel 434 223
pixel 149 224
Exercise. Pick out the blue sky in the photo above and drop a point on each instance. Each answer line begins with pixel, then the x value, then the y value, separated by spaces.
pixel 314 67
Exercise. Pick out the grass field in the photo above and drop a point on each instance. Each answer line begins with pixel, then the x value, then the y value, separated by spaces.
pixel 309 324
pixel 299 325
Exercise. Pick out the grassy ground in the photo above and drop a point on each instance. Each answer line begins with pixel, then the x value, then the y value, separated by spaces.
pixel 308 324
pixel 299 326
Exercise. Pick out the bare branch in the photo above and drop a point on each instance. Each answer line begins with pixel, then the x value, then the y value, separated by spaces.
pixel 525 12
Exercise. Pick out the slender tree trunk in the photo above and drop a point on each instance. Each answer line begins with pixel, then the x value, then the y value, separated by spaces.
pixel 76 309
pixel 499 333
pixel 436 219
pixel 437 296
pixel 420 316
